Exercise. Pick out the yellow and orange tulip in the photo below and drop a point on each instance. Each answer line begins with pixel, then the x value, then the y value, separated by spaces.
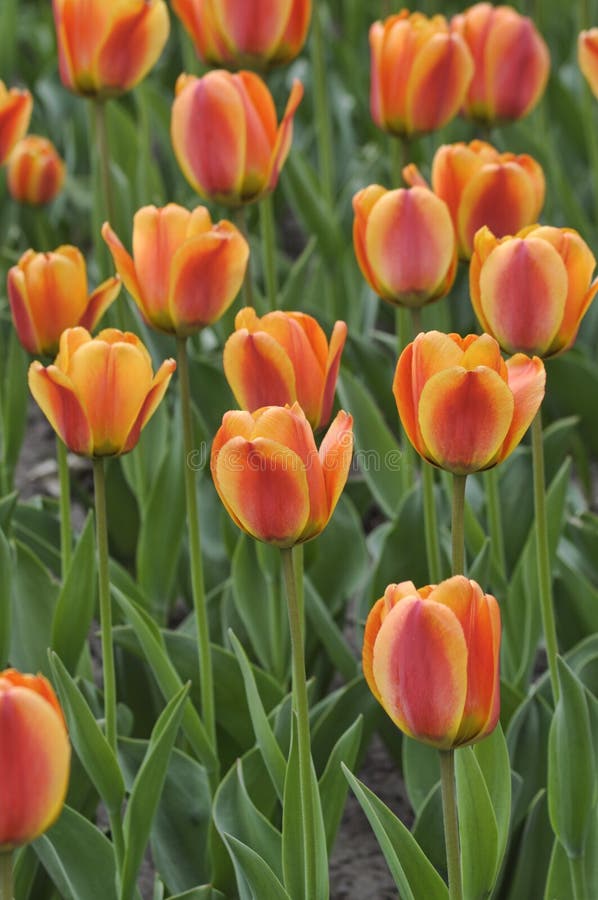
pixel 246 33
pixel 16 107
pixel 531 291
pixel 184 272
pixel 431 659
pixel 35 757
pixel 242 149
pixel 481 186
pixel 511 60
pixel 48 293
pixel 274 483
pixel 463 408
pixel 100 392
pixel 405 244
pixel 35 171
pixel 587 57
pixel 420 72
pixel 282 358
pixel 106 48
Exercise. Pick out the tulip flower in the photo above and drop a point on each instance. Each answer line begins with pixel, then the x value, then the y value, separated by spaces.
pixel 405 244
pixel 106 48
pixel 100 392
pixel 184 272
pixel 463 408
pixel 15 112
pixel 249 33
pixel 511 61
pixel 34 758
pixel 431 659
pixel 241 151
pixel 281 359
pixel 531 291
pixel 587 57
pixel 481 186
pixel 272 480
pixel 35 171
pixel 48 293
pixel 420 72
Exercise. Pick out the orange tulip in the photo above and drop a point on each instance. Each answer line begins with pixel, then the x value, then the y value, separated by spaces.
pixel 184 272
pixel 531 291
pixel 272 480
pixel 431 659
pixel 463 408
pixel 48 293
pixel 35 171
pixel 405 244
pixel 100 392
pixel 241 151
pixel 15 112
pixel 481 186
pixel 511 60
pixel 420 72
pixel 282 358
pixel 253 33
pixel 587 57
pixel 34 758
pixel 106 48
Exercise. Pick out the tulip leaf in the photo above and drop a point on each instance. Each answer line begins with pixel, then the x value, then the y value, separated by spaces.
pixel 76 601
pixel 528 873
pixel 301 186
pixel 14 405
pixel 261 879
pixel 492 755
pixel 34 599
pixel 6 577
pixel 206 892
pixel 477 827
pixel 333 785
pixel 329 633
pixel 527 739
pixel 421 771
pixel 335 713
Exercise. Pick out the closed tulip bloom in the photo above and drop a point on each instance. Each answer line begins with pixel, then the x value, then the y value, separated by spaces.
pixel 282 358
pixel 531 291
pixel 587 57
pixel 481 186
pixel 35 171
pixel 253 33
pixel 511 61
pixel 100 392
pixel 463 408
pixel 184 272
pixel 405 244
pixel 106 48
pixel 431 659
pixel 274 483
pixel 34 758
pixel 48 292
pixel 420 72
pixel 225 135
pixel 15 112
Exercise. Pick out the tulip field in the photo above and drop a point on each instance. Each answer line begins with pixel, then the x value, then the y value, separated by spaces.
pixel 298 450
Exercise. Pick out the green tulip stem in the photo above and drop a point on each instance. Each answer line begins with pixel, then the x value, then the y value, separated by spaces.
pixel 241 223
pixel 99 484
pixel 323 115
pixel 302 712
pixel 408 457
pixel 197 578
pixel 451 823
pixel 495 520
pixel 269 249
pixel 66 535
pixel 458 525
pixel 6 875
pixel 543 553
pixel 577 868
pixel 400 149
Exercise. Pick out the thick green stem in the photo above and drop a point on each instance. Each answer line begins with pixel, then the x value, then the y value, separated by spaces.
pixel 6 875
pixel 399 156
pixel 322 107
pixel 99 483
pixel 302 711
pixel 543 553
pixel 495 521
pixel 66 534
pixel 451 823
pixel 458 525
pixel 197 580
pixel 577 867
pixel 269 250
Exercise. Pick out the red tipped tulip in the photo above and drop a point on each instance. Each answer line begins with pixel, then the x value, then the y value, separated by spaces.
pixel 35 171
pixel 15 112
pixel 587 57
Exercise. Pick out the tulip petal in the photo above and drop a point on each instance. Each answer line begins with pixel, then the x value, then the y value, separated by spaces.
pixel 20 308
pixel 15 113
pixel 54 394
pixel 260 125
pixel 438 82
pixel 363 202
pixel 587 57
pixel 335 350
pixel 124 263
pixel 99 301
pixel 258 370
pixel 133 44
pixel 527 381
pixel 154 397
pixel 252 29
pixel 284 135
pixel 376 616
pixel 516 88
pixel 336 452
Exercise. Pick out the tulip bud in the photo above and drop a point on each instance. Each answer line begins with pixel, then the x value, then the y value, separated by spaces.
pixel 15 112
pixel 587 57
pixel 420 72
pixel 405 244
pixel 481 186
pixel 242 159
pixel 34 758
pixel 531 291
pixel 184 272
pixel 463 408
pixel 48 293
pixel 511 61
pixel 35 171
pixel 431 659
pixel 274 483
pixel 282 358
pixel 100 392
pixel 106 48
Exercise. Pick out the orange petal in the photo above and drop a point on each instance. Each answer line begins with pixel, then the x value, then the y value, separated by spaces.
pixel 372 627
pixel 133 44
pixel 438 82
pixel 54 394
pixel 99 301
pixel 252 29
pixel 336 452
pixel 337 343
pixel 15 113
pixel 515 89
pixel 157 390
pixel 22 316
pixel 363 202
pixel 587 57
pixel 527 381
pixel 124 263
pixel 258 370
pixel 284 135
pixel 295 33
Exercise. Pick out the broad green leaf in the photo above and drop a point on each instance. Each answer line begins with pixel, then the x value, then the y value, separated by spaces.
pixel 34 599
pixel 14 404
pixel 428 830
pixel 527 740
pixel 76 601
pixel 477 827
pixel 301 187
pixel 329 633
pixel 207 892
pixel 492 755
pixel 335 713
pixel 421 771
pixel 528 873
pixel 559 881
pixel 261 879
pixel 333 785
pixel 6 577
